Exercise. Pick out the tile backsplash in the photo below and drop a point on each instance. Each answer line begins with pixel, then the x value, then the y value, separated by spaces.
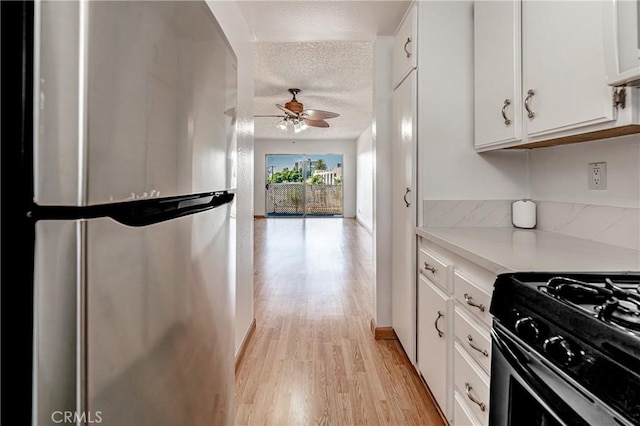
pixel 466 213
pixel 618 226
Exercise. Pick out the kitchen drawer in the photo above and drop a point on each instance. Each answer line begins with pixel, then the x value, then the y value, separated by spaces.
pixel 436 270
pixel 472 383
pixel 462 415
pixel 472 297
pixel 474 337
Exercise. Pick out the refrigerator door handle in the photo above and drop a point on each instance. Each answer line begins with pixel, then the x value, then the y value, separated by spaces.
pixel 139 212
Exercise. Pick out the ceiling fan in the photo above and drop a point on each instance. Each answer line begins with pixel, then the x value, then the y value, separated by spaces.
pixel 299 118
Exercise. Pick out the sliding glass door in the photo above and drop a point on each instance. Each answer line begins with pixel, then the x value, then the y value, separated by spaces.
pixel 304 185
pixel 285 185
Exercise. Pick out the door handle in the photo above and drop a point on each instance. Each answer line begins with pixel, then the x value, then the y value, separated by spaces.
pixel 530 95
pixel 405 197
pixel 405 47
pixel 435 324
pixel 507 102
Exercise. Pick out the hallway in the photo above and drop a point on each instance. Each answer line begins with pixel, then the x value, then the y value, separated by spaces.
pixel 312 358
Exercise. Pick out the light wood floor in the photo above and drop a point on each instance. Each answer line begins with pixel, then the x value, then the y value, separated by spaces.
pixel 312 359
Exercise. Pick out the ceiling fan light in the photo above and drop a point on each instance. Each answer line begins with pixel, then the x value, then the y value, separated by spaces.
pixel 282 125
pixel 303 125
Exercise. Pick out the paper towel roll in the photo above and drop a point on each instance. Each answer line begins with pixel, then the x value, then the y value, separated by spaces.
pixel 523 214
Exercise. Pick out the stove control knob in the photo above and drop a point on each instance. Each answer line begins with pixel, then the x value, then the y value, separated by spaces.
pixel 528 329
pixel 559 350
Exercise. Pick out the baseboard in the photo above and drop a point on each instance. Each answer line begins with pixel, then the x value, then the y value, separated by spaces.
pixel 382 333
pixel 259 216
pixel 245 342
pixel 364 225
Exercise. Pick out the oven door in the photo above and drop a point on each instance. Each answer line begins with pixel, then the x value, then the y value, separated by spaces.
pixel 527 390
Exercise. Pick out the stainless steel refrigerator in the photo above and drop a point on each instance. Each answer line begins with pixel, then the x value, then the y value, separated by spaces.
pixel 127 140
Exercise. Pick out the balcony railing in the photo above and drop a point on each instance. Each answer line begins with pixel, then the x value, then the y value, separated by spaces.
pixel 284 199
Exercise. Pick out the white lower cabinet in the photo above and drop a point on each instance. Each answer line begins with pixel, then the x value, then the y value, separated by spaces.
pixel 471 297
pixel 472 383
pixel 474 337
pixel 462 413
pixel 454 333
pixel 434 342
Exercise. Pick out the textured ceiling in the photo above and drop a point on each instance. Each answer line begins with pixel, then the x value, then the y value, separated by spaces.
pixel 333 76
pixel 323 48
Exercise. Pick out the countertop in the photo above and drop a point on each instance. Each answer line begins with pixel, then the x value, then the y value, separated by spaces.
pixel 506 249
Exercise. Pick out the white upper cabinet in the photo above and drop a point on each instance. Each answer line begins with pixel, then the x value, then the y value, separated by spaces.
pixel 541 72
pixel 405 47
pixel 498 98
pixel 563 61
pixel 622 41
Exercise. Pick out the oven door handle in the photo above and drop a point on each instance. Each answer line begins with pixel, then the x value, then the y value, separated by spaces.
pixel 519 363
pixel 510 355
pixel 517 360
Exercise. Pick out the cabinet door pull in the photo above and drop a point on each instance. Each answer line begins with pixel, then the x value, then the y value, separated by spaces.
pixel 405 47
pixel 429 268
pixel 405 197
pixel 470 302
pixel 507 102
pixel 482 351
pixel 435 324
pixel 481 404
pixel 530 94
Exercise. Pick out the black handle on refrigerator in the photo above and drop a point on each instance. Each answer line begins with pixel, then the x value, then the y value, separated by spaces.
pixel 138 212
pixel 16 56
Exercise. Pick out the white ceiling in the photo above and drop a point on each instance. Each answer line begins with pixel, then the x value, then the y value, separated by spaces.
pixel 323 48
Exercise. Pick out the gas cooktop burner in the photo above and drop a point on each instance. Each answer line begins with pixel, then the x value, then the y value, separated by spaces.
pixel 585 325
pixel 617 303
pixel 620 312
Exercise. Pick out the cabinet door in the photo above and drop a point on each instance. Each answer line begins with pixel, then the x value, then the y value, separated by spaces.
pixel 565 83
pixel 498 102
pixel 434 338
pixel 404 47
pixel 622 41
pixel 403 237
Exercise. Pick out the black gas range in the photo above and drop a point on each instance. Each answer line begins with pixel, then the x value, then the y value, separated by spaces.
pixel 566 349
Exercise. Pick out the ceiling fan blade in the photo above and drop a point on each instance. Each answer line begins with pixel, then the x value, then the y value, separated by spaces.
pixel 279 116
pixel 286 110
pixel 316 123
pixel 316 114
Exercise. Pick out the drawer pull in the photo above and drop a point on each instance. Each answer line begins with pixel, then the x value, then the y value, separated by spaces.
pixel 481 404
pixel 435 324
pixel 482 351
pixel 429 268
pixel 470 302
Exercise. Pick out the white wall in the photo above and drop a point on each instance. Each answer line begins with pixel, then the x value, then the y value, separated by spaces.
pixel 233 24
pixel 382 137
pixel 345 147
pixel 450 168
pixel 560 173
pixel 364 179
